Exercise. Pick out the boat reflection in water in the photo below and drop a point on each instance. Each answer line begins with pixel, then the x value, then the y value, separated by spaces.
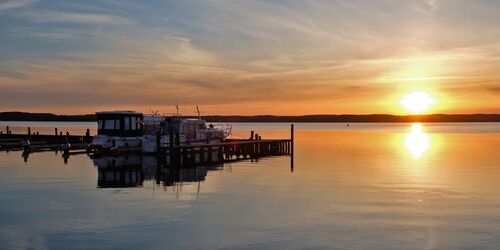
pixel 417 141
pixel 132 170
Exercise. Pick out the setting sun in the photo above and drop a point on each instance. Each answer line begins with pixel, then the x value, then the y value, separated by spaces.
pixel 417 102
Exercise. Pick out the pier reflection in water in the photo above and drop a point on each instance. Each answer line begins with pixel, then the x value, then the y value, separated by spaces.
pixel 132 170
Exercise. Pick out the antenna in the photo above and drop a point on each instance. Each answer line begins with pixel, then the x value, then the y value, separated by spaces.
pixel 198 110
pixel 177 107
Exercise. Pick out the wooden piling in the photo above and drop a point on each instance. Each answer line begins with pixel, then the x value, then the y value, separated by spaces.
pixel 29 131
pixel 201 153
pixel 158 142
pixel 87 135
pixel 55 129
pixel 251 135
pixel 291 148
pixel 210 154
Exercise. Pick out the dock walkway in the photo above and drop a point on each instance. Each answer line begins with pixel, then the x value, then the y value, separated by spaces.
pixel 181 155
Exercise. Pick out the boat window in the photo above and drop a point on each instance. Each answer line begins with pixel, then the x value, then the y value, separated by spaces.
pixel 133 123
pixel 127 123
pixel 109 124
pixel 100 124
pixel 190 130
pixel 117 124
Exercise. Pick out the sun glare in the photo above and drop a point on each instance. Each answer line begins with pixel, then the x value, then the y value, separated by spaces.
pixel 417 102
pixel 417 142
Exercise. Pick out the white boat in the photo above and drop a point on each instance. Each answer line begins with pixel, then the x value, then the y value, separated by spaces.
pixel 118 130
pixel 182 131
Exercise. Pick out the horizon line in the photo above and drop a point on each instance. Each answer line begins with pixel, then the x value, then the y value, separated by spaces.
pixel 299 115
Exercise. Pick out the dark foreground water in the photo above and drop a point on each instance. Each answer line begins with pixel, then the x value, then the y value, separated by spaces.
pixel 366 186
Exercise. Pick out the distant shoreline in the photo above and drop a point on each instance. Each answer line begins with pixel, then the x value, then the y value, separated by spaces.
pixel 379 118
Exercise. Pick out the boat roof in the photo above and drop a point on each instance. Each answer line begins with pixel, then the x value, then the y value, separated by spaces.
pixel 153 118
pixel 120 112
pixel 193 120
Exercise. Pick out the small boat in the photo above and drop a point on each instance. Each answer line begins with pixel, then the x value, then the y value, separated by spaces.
pixel 118 130
pixel 133 131
pixel 182 131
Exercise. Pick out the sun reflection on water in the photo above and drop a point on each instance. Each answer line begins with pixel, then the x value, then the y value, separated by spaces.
pixel 417 141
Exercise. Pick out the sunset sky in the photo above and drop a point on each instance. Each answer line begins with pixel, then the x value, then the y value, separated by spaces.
pixel 249 56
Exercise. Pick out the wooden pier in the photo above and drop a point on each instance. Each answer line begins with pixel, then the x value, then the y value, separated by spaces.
pixel 37 141
pixel 225 151
pixel 230 149
pixel 175 155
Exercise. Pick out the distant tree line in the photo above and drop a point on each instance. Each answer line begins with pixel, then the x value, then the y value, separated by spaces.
pixel 23 116
pixel 361 118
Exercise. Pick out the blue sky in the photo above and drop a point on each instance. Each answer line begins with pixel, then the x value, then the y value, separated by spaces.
pixel 279 57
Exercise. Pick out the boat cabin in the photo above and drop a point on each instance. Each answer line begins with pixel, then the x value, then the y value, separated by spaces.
pixel 192 128
pixel 120 123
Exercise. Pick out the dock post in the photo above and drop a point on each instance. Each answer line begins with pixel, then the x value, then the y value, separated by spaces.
pixel 7 130
pixel 55 129
pixel 158 142
pixel 251 135
pixel 29 131
pixel 219 153
pixel 87 136
pixel 177 149
pixel 184 156
pixel 256 136
pixel 201 153
pixel 171 141
pixel 291 148
pixel 210 154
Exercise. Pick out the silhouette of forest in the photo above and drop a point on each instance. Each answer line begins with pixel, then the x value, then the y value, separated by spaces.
pixel 24 116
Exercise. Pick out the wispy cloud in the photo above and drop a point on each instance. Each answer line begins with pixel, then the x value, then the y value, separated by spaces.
pixel 74 17
pixel 12 4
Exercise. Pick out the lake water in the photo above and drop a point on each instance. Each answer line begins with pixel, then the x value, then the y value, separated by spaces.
pixel 366 186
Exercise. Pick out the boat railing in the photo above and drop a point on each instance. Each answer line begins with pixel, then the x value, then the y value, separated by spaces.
pixel 225 128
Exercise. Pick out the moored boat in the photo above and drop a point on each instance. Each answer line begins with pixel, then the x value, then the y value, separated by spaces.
pixel 184 131
pixel 133 131
pixel 118 130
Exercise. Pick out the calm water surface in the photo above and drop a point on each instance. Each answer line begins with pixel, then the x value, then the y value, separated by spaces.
pixel 366 186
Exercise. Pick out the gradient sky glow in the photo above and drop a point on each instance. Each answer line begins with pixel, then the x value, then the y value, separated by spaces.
pixel 249 56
